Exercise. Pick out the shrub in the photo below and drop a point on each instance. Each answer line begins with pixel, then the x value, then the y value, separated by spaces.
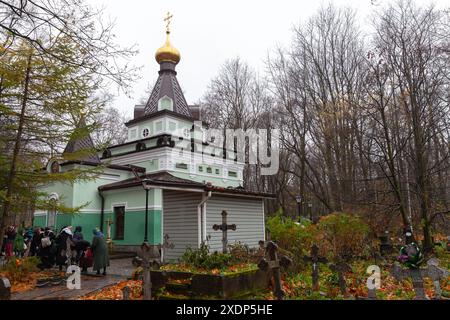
pixel 18 268
pixel 291 236
pixel 202 258
pixel 342 235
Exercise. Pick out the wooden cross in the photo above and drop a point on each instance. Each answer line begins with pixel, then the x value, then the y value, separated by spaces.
pixel 274 265
pixel 165 245
pixel 148 253
pixel 224 228
pixel 436 274
pixel 341 268
pixel 417 279
pixel 167 19
pixel 315 259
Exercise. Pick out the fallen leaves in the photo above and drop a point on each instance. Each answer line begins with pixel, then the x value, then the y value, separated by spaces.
pixel 115 292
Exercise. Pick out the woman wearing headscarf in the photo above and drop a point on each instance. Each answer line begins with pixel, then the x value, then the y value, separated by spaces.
pixel 36 241
pixel 63 247
pixel 100 251
pixel 47 249
pixel 79 243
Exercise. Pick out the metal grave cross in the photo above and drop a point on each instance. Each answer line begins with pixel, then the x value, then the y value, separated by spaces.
pixel 341 268
pixel 315 259
pixel 417 279
pixel 224 228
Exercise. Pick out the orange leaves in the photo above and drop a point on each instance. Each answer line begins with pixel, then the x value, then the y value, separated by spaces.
pixel 28 281
pixel 115 292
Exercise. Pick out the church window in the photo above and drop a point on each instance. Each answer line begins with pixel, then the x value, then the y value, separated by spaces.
pixel 181 166
pixel 51 213
pixel 172 126
pixel 217 171
pixel 145 133
pixel 159 126
pixel 200 169
pixel 232 174
pixel 165 103
pixel 133 133
pixel 119 217
pixel 187 133
pixel 209 170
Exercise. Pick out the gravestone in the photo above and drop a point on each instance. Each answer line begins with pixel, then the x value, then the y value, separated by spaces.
pixel 400 273
pixel 385 244
pixel 274 264
pixel 436 273
pixel 315 259
pixel 126 293
pixel 341 268
pixel 224 228
pixel 5 289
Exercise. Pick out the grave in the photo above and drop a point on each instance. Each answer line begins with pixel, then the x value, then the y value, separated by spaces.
pixel 224 228
pixel 386 246
pixel 5 289
pixel 416 276
pixel 315 259
pixel 341 268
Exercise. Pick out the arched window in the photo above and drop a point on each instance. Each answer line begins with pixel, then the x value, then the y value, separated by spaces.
pixel 165 103
pixel 51 212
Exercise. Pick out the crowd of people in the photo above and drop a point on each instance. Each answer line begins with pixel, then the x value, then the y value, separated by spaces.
pixel 63 249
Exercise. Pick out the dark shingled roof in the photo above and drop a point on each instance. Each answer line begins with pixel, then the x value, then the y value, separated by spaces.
pixel 167 85
pixel 164 178
pixel 82 144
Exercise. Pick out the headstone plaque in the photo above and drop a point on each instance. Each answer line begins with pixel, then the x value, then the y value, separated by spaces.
pixel 5 289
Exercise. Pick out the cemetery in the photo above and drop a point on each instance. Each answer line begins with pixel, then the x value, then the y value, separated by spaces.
pixel 325 178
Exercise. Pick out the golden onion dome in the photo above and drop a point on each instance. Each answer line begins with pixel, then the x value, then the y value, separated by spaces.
pixel 167 53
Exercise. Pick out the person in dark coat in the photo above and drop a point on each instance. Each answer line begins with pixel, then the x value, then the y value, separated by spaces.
pixel 36 241
pixel 63 247
pixel 47 249
pixel 100 251
pixel 77 238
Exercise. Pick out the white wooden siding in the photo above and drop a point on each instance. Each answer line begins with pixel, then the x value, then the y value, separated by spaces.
pixel 246 213
pixel 180 221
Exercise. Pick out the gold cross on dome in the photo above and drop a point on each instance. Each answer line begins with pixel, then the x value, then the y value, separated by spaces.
pixel 167 19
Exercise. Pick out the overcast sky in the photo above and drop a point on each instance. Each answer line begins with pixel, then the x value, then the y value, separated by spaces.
pixel 208 32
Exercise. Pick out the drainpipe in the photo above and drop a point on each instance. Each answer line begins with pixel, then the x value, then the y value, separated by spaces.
pixel 202 217
pixel 102 212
